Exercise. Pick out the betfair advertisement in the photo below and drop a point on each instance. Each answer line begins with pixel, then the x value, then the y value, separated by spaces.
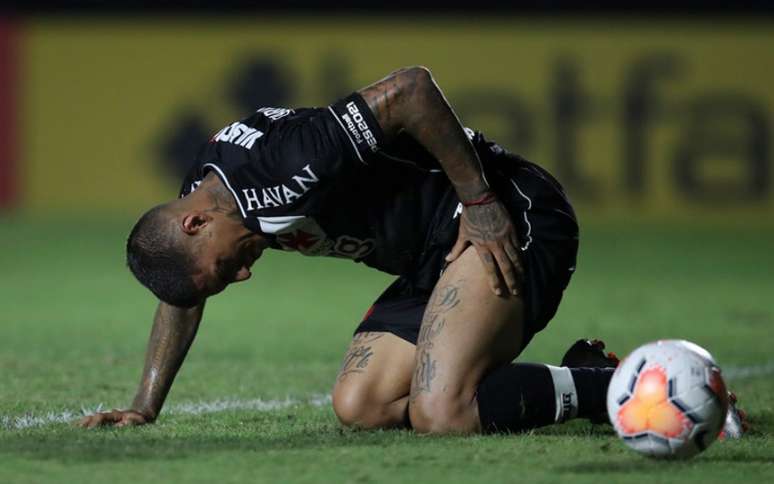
pixel 634 118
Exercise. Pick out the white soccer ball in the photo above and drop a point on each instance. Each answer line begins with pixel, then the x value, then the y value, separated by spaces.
pixel 668 399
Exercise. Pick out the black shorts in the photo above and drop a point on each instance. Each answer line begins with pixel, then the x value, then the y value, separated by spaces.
pixel 548 233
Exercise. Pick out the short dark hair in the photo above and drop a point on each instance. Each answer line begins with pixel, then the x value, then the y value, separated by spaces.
pixel 156 256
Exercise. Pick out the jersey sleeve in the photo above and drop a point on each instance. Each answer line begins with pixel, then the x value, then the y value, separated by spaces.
pixel 360 131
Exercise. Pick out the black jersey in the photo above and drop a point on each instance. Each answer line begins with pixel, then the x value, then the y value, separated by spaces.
pixel 316 181
pixel 321 181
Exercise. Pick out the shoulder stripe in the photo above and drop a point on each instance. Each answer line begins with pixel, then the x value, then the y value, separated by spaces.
pixel 354 146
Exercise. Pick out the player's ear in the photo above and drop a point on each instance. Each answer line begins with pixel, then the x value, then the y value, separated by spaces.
pixel 193 222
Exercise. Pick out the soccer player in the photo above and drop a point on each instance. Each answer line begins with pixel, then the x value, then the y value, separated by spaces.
pixel 483 241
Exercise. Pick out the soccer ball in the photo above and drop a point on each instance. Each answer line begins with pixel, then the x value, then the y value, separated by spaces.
pixel 667 399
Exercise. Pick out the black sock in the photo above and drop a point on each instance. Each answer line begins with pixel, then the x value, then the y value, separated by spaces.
pixel 516 397
pixel 525 396
pixel 591 385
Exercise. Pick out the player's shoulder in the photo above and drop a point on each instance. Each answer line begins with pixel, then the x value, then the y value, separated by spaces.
pixel 248 130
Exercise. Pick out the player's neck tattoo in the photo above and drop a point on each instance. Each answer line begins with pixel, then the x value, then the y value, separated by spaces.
pixel 222 201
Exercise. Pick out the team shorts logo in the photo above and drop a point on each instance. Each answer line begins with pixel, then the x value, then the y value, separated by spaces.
pixel 238 134
pixel 358 127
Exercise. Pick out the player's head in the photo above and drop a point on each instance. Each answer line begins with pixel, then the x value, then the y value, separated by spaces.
pixel 184 254
pixel 158 258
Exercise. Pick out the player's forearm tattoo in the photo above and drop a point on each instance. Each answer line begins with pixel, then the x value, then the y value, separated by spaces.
pixel 444 299
pixel 359 354
pixel 173 332
pixel 486 222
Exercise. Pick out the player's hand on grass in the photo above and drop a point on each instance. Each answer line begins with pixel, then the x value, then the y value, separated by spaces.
pixel 487 225
pixel 115 418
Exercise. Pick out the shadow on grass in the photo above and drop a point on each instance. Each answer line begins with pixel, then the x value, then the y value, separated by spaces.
pixel 645 465
pixel 608 467
pixel 78 445
pixel 186 438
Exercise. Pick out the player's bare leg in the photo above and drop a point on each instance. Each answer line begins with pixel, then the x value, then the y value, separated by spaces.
pixel 463 380
pixel 467 330
pixel 373 383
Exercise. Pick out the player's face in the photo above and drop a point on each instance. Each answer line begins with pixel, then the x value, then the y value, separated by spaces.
pixel 228 253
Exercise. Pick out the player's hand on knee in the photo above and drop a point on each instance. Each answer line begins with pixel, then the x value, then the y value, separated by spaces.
pixel 489 229
pixel 115 418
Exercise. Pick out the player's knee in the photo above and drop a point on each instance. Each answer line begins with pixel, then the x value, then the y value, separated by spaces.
pixel 348 403
pixel 355 408
pixel 441 414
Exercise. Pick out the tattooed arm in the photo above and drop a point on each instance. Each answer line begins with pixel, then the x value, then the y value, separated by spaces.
pixel 409 100
pixel 173 332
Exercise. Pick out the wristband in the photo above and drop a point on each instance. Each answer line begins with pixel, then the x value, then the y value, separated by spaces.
pixel 482 200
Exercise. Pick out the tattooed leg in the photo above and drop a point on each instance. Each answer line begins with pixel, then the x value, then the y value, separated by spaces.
pixel 360 352
pixel 372 386
pixel 466 332
pixel 443 300
pixel 424 374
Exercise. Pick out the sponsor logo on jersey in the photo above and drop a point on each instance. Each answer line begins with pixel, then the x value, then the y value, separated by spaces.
pixel 357 125
pixel 352 248
pixel 279 195
pixel 303 234
pixel 275 113
pixel 238 134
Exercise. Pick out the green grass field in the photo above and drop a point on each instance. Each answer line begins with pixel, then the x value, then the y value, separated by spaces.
pixel 74 324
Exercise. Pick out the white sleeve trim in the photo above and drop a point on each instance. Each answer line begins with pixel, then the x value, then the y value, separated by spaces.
pixel 273 225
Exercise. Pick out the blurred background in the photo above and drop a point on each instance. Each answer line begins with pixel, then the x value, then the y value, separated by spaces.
pixel 641 113
pixel 658 122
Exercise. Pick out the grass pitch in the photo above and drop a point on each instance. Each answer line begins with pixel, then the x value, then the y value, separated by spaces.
pixel 73 329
